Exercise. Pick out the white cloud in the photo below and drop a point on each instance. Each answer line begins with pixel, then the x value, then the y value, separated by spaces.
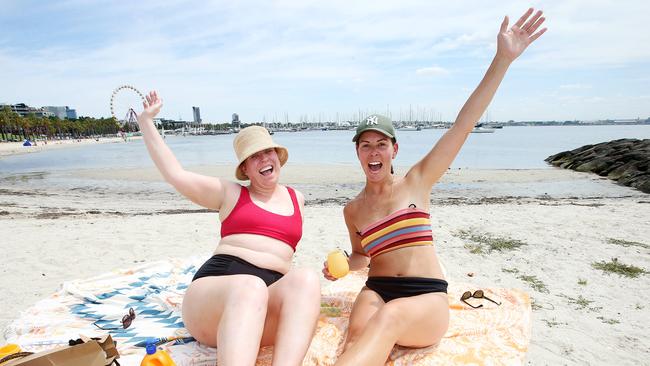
pixel 264 57
pixel 432 71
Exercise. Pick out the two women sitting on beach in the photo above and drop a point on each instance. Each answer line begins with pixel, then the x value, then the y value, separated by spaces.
pixel 248 295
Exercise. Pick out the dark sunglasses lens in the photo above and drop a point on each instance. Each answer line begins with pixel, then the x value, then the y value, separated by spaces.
pixel 128 318
pixel 466 295
pixel 126 321
pixel 478 294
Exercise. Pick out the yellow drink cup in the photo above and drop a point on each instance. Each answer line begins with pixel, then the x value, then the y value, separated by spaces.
pixel 9 349
pixel 337 264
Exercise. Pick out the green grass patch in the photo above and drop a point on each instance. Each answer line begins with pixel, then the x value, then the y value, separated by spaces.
pixel 486 243
pixel 552 323
pixel 608 321
pixel 621 269
pixel 627 243
pixel 582 282
pixel 535 283
pixel 510 270
pixel 580 301
pixel 475 248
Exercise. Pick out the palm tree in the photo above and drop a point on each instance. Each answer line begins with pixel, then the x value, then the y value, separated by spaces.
pixel 4 121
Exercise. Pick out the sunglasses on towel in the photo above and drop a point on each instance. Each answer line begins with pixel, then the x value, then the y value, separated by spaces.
pixel 478 294
pixel 126 321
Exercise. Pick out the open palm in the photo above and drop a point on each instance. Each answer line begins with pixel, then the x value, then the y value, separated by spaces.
pixel 512 42
pixel 152 105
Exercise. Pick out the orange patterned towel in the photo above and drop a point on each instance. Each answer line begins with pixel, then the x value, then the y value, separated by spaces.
pixel 491 335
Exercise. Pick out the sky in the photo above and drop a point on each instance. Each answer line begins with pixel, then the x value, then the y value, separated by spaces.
pixel 324 60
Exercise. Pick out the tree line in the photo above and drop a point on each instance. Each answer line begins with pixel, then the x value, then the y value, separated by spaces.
pixel 13 127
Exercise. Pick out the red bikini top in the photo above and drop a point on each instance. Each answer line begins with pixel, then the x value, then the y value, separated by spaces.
pixel 248 218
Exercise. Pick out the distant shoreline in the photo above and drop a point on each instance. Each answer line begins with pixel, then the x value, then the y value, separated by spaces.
pixel 17 148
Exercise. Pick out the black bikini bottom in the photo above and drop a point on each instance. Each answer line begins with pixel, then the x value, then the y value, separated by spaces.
pixel 224 265
pixel 391 288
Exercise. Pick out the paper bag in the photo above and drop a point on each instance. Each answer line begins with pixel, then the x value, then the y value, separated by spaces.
pixel 85 354
pixel 108 345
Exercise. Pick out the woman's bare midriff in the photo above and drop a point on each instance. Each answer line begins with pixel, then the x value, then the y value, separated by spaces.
pixel 259 250
pixel 419 261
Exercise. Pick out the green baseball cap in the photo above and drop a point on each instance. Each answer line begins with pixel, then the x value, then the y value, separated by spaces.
pixel 375 122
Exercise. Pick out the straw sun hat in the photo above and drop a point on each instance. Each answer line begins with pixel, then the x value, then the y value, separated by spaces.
pixel 251 140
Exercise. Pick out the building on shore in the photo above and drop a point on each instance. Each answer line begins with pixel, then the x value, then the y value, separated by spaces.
pixel 71 113
pixel 62 112
pixel 23 110
pixel 196 112
pixel 236 123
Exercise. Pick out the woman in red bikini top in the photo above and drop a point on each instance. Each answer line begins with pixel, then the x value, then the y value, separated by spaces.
pixel 247 291
pixel 404 301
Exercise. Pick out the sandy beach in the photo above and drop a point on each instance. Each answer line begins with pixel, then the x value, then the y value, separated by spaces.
pixel 581 315
pixel 16 148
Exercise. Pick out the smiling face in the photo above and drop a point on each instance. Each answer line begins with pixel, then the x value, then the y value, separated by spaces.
pixel 376 152
pixel 262 167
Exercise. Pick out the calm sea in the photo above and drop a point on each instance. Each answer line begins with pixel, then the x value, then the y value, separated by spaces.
pixel 507 148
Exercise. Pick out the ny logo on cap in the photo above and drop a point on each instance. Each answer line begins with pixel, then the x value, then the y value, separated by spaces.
pixel 372 120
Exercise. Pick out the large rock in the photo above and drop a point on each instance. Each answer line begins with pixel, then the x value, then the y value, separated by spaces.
pixel 626 161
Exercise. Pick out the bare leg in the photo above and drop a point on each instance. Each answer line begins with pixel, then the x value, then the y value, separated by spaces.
pixel 227 312
pixel 294 305
pixel 416 321
pixel 365 306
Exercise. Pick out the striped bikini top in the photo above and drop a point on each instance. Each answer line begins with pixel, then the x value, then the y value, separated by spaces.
pixel 404 228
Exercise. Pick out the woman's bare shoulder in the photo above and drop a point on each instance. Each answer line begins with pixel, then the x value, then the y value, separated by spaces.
pixel 352 207
pixel 299 195
pixel 231 189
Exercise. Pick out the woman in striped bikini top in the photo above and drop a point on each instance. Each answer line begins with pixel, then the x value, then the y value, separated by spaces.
pixel 408 227
pixel 404 301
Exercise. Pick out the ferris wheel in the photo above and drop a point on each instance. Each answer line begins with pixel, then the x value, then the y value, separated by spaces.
pixel 123 101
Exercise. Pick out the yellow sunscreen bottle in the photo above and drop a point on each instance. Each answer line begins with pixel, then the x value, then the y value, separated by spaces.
pixel 337 264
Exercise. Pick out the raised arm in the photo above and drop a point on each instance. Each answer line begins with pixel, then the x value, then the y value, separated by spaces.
pixel 510 44
pixel 203 190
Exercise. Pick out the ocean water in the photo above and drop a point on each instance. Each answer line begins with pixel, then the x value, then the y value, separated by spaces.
pixel 507 148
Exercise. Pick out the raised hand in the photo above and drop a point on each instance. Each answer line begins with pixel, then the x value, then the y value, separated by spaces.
pixel 152 105
pixel 512 42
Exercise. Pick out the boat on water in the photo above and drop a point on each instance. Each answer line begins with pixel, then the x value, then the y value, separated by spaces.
pixel 408 128
pixel 479 128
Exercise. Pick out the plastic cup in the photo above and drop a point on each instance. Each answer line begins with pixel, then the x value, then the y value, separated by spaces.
pixel 337 264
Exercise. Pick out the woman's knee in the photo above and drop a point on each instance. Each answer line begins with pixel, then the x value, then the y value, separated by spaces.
pixel 248 290
pixel 304 280
pixel 354 332
pixel 389 319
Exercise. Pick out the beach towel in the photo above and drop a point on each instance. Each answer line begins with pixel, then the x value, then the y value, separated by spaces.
pixel 491 335
pixel 496 335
